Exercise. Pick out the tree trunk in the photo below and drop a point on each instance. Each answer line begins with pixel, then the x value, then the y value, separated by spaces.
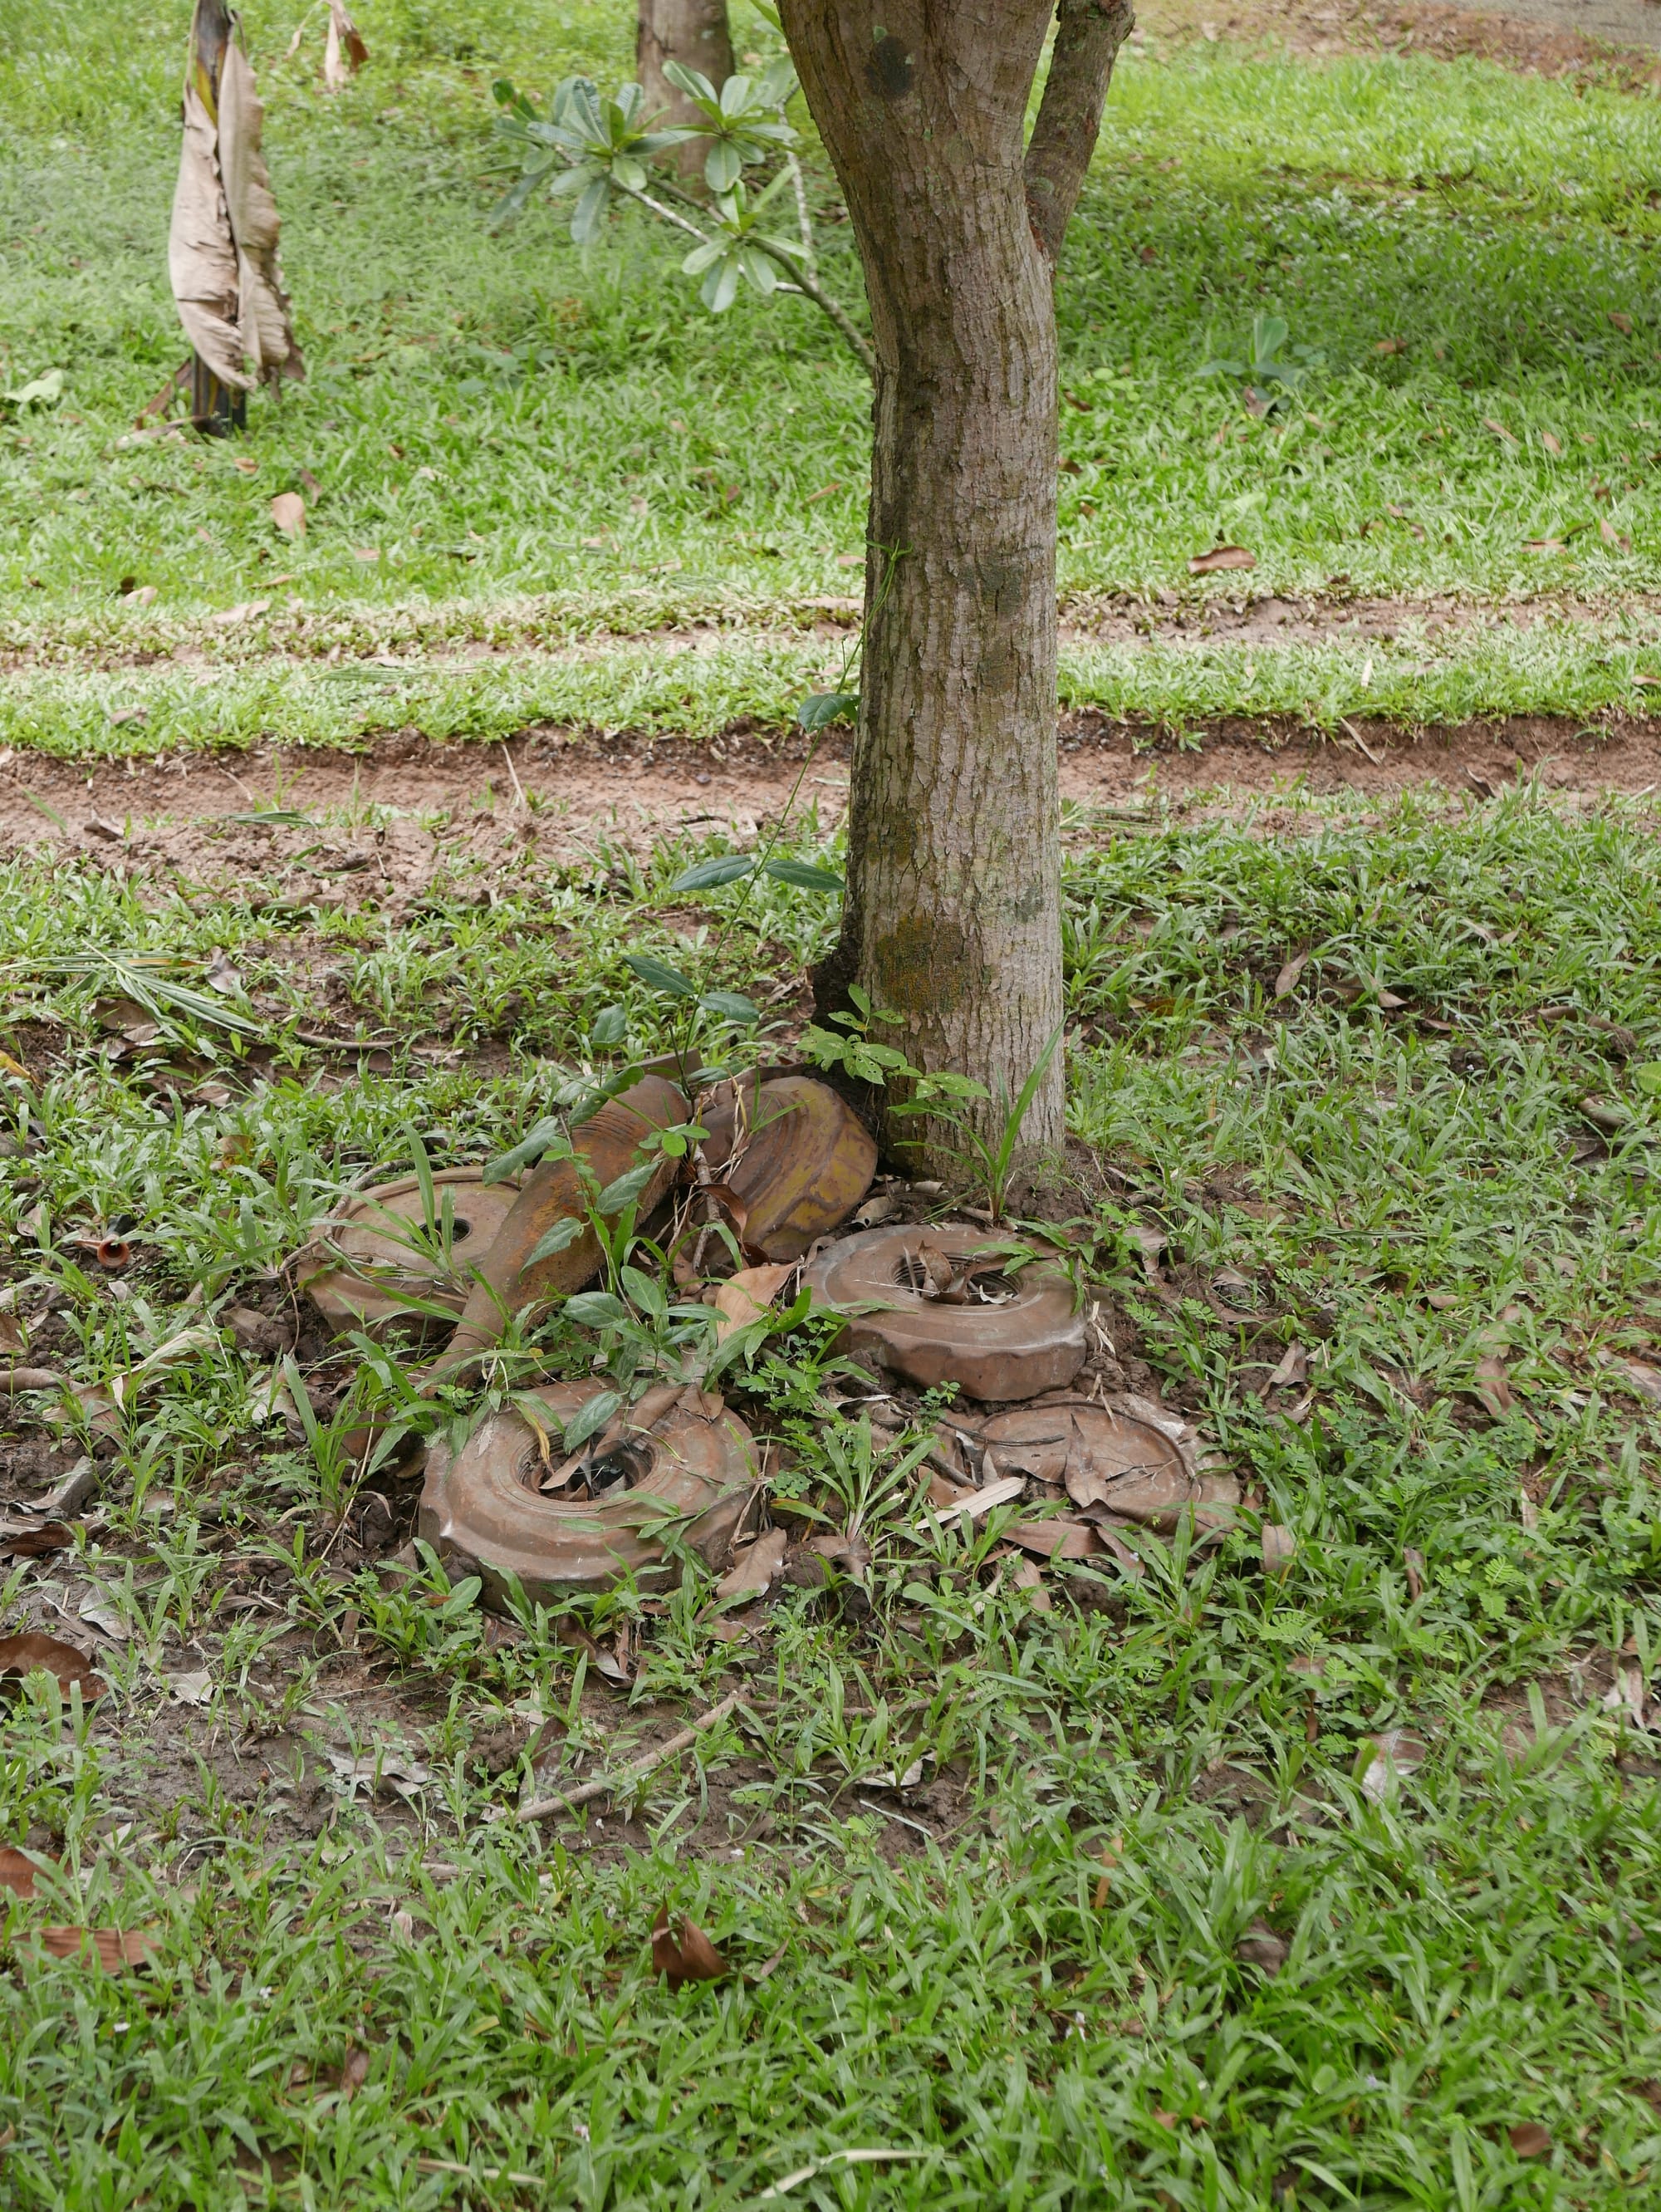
pixel 952 918
pixel 695 32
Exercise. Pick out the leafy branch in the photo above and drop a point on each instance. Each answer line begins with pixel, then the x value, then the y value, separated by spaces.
pixel 602 150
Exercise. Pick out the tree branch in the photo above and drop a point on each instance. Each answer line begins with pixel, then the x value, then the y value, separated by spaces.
pixel 1088 35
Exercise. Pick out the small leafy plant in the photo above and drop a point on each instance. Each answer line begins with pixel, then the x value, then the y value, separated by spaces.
pixel 1269 380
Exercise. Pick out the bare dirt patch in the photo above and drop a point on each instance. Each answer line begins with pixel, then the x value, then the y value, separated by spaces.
pixel 404 815
pixel 1605 38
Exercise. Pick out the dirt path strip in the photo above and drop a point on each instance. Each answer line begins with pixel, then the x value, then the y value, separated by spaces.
pixel 390 820
pixel 460 636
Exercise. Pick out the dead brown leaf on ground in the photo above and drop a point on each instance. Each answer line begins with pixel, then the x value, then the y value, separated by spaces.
pixel 1279 1547
pixel 353 2072
pixel 747 1296
pixel 1286 981
pixel 113 1948
pixel 1493 1386
pixel 289 513
pixel 694 1959
pixel 1261 1947
pixel 1221 557
pixel 1531 2139
pixel 1292 1367
pixel 22 1654
pixel 755 1570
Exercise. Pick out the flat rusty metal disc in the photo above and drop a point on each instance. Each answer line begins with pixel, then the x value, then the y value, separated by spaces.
pixel 1020 1336
pixel 365 1265
pixel 484 1504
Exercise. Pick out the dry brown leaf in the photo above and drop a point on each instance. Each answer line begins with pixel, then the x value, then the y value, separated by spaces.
pixel 221 974
pixel 1493 1386
pixel 112 1948
pixel 1054 1539
pixel 1109 1855
pixel 1388 1000
pixel 1413 1562
pixel 1499 430
pixel 11 1334
pixel 1644 1379
pixel 1622 323
pixel 754 1571
pixel 747 1296
pixel 1261 1947
pixel 264 324
pixel 33 1540
pixel 1391 345
pixel 201 258
pixel 18 1872
pixel 694 1959
pixel 289 513
pixel 343 51
pixel 1279 1547
pixel 1293 1368
pixel 29 1378
pixel 353 2072
pixel 1286 981
pixel 1551 444
pixel 975 1504
pixel 1028 1577
pixel 22 1654
pixel 1221 557
pixel 1529 2139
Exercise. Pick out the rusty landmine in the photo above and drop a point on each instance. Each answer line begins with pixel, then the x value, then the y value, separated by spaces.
pixel 1129 1462
pixel 793 1159
pixel 943 1305
pixel 678 1454
pixel 376 1262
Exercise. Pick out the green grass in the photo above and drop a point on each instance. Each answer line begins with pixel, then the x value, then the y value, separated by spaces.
pixel 1477 1951
pixel 493 417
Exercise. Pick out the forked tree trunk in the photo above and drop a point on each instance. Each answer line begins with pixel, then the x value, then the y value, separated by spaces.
pixel 695 32
pixel 952 917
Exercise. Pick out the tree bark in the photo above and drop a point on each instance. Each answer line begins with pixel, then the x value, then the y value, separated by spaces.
pixel 952 916
pixel 695 32
pixel 1088 35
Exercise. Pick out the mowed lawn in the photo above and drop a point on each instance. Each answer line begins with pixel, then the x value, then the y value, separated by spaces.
pixel 1205 1886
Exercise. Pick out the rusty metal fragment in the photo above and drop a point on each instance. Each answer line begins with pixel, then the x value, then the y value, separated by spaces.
pixel 375 1262
pixel 673 1460
pixel 793 1158
pixel 945 1304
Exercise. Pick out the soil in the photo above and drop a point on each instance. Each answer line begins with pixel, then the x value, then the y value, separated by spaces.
pixel 406 817
pixel 1553 38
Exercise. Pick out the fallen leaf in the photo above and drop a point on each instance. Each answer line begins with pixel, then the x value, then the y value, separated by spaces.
pixel 1391 345
pixel 1611 536
pixel 365 553
pixel 196 1688
pixel 1645 1379
pixel 977 1504
pixel 747 1296
pixel 1053 1538
pixel 1029 1577
pixel 694 1959
pixel 1529 2139
pixel 145 596
pixel 18 1872
pixel 1390 1002
pixel 353 2072
pixel 11 1334
pixel 1279 1547
pixel 22 1654
pixel 1293 1368
pixel 1499 430
pixel 245 465
pixel 754 1571
pixel 221 974
pixel 1395 1753
pixel 1261 1946
pixel 1626 1693
pixel 1109 1857
pixel 1413 1562
pixel 33 1540
pixel 1493 1386
pixel 1622 323
pixel 1221 557
pixel 1287 980
pixel 98 1612
pixel 289 513
pixel 112 1948
pixel 1551 443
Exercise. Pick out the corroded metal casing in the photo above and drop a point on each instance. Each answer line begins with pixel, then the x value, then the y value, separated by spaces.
pixel 363 1266
pixel 795 1156
pixel 1034 1342
pixel 484 1505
